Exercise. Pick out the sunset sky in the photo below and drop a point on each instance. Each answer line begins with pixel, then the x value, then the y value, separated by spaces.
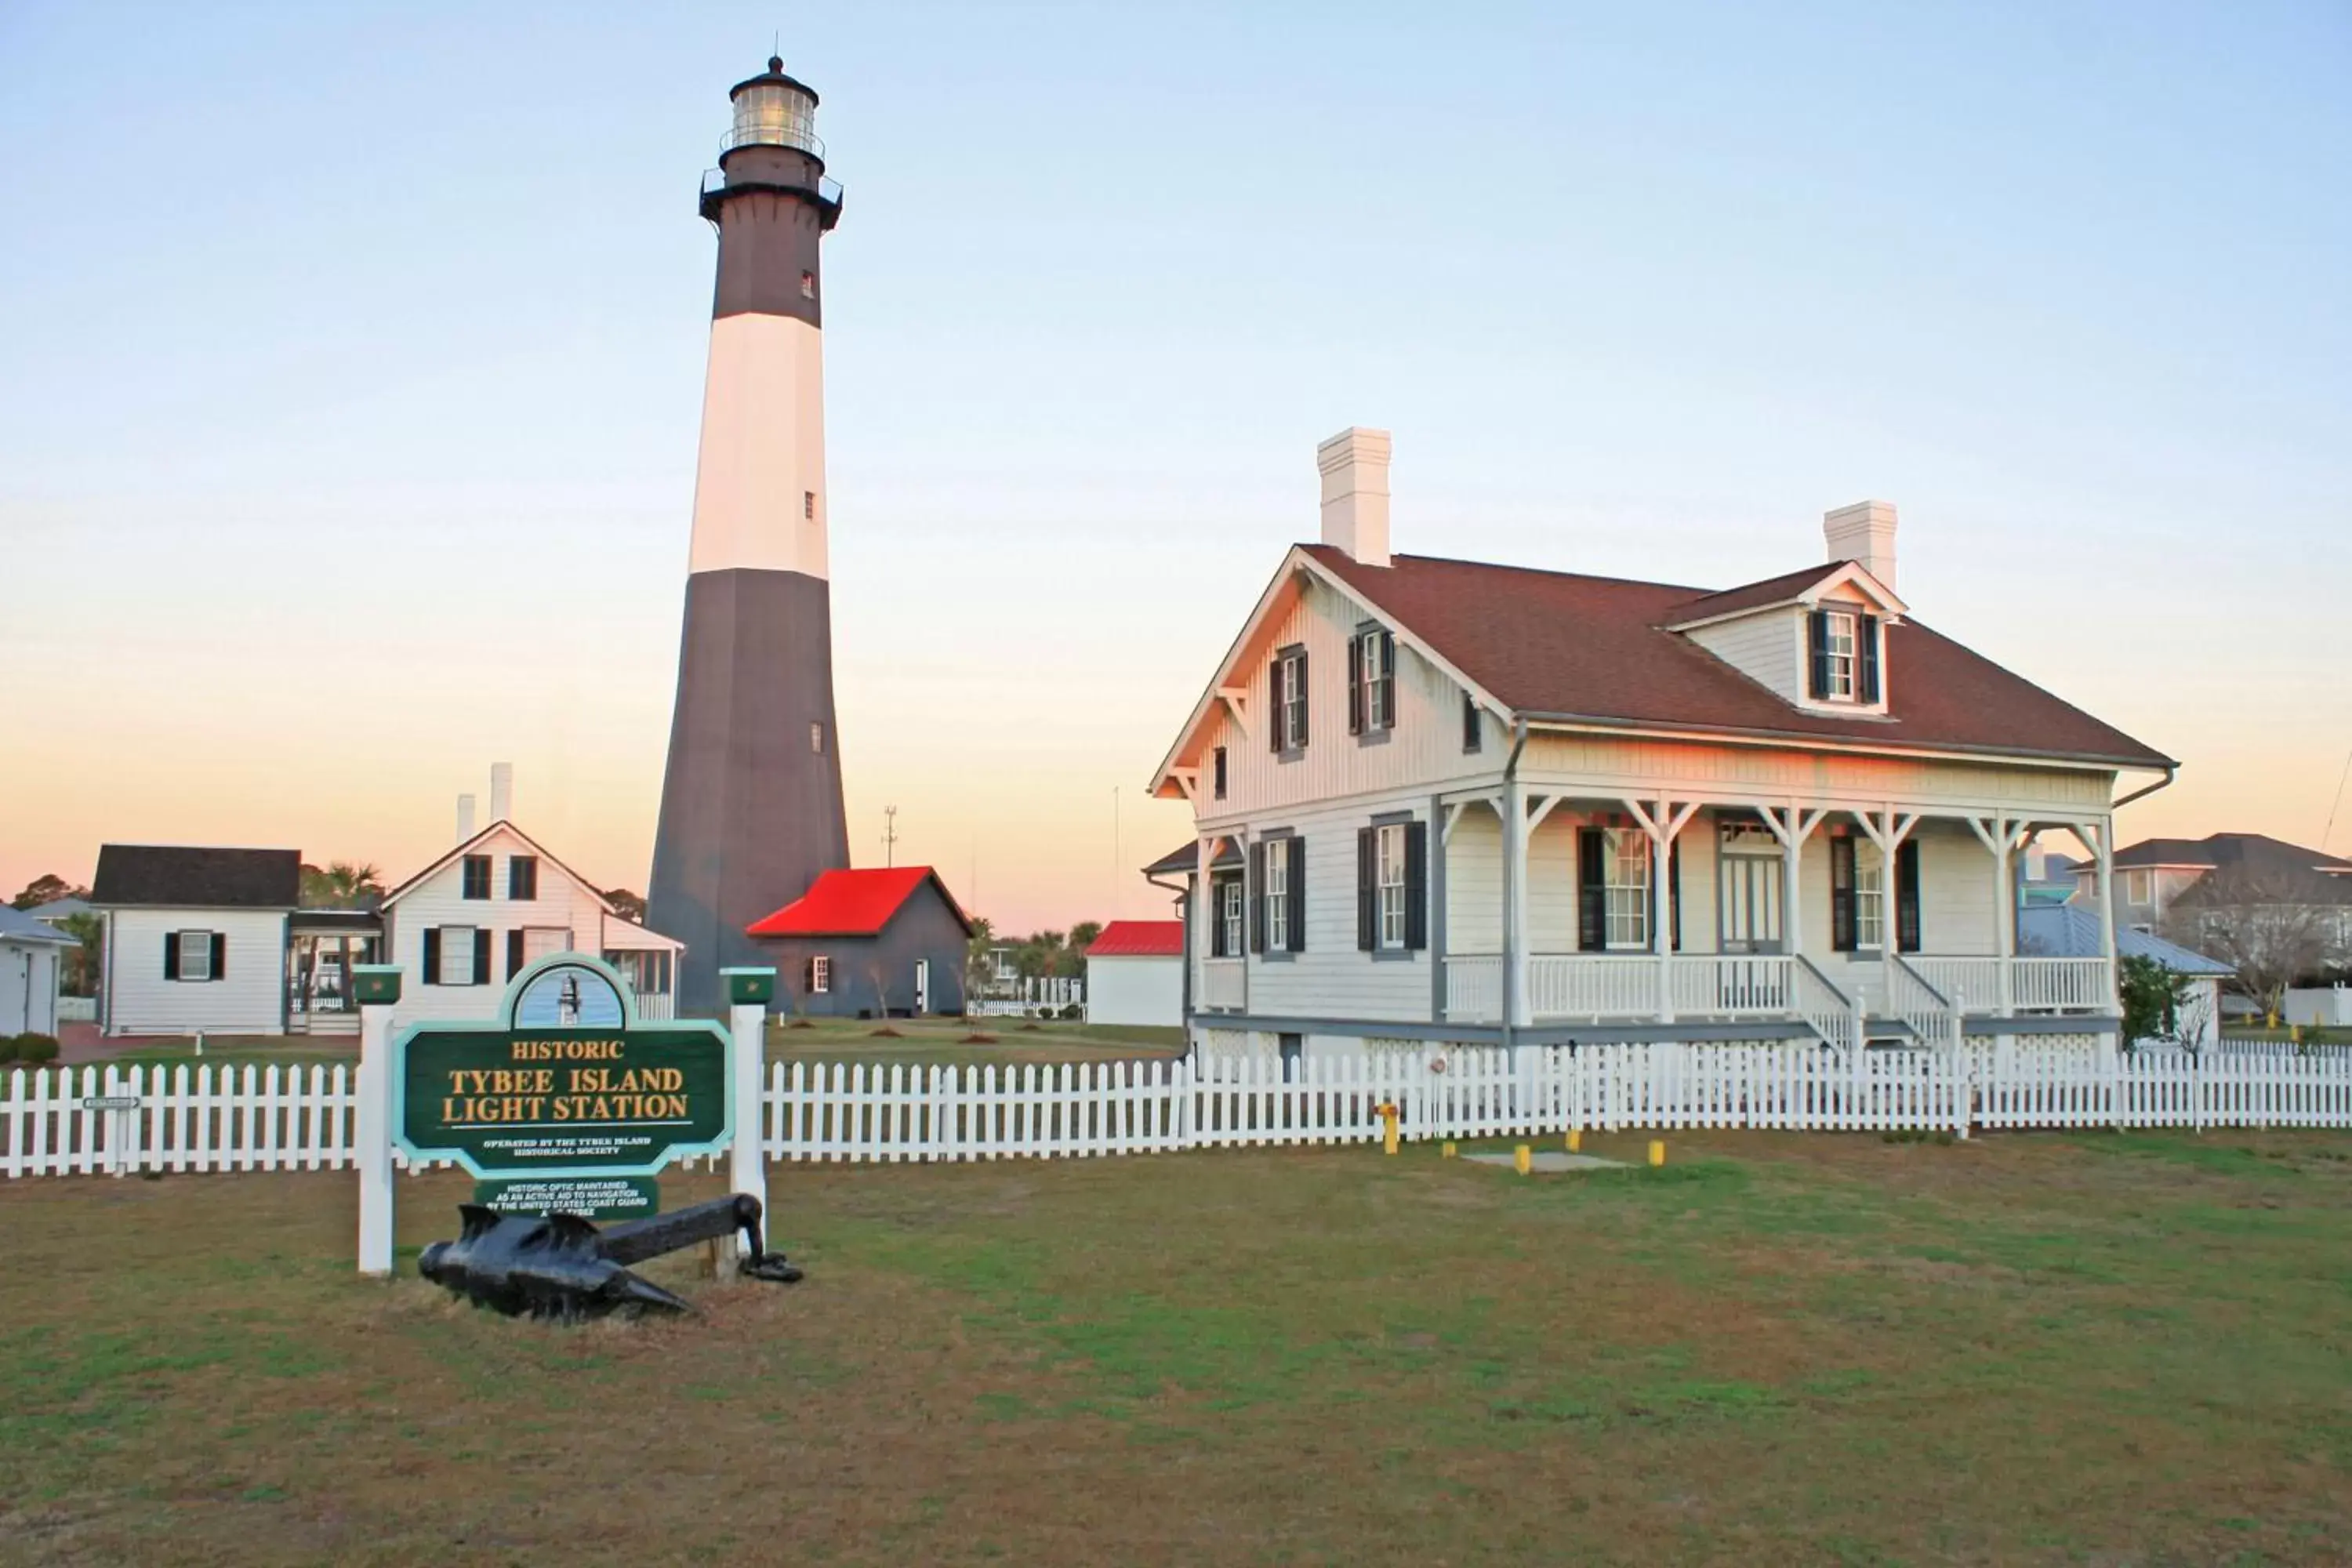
pixel 350 360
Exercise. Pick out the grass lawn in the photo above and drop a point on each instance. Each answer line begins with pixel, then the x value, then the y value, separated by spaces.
pixel 1777 1349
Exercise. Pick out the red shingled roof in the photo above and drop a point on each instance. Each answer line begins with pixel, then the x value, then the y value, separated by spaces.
pixel 853 903
pixel 1139 939
pixel 1561 646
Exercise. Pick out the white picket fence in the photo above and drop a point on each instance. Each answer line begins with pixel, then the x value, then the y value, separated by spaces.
pixel 272 1118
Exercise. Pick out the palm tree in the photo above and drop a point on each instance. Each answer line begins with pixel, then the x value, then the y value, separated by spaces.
pixel 344 885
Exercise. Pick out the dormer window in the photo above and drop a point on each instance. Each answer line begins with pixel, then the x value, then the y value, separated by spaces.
pixel 1844 645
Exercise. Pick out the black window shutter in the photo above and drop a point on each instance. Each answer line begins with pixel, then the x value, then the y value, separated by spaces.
pixel 514 953
pixel 1844 935
pixel 1817 625
pixel 1907 896
pixel 220 955
pixel 1366 898
pixel 481 956
pixel 1472 737
pixel 1256 897
pixel 1303 689
pixel 1675 892
pixel 1297 850
pixel 1274 703
pixel 431 956
pixel 1416 886
pixel 1388 681
pixel 1591 891
pixel 171 955
pixel 1866 658
pixel 1356 684
pixel 808 977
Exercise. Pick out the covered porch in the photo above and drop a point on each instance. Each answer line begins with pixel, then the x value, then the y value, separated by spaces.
pixel 1856 920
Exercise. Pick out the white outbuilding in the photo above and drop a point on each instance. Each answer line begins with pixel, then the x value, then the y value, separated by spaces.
pixel 31 956
pixel 1135 973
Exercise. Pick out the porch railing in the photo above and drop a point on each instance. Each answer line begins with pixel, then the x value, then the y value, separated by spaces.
pixel 1970 984
pixel 1221 985
pixel 656 1007
pixel 1926 1011
pixel 1735 985
pixel 1592 985
pixel 2062 984
pixel 1474 988
pixel 1830 1011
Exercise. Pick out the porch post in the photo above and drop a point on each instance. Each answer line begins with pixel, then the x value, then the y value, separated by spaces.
pixel 1205 911
pixel 1514 904
pixel 1661 932
pixel 2103 846
pixel 2005 911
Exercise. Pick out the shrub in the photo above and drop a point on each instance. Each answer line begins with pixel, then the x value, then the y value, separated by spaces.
pixel 1074 1011
pixel 33 1050
pixel 7 1049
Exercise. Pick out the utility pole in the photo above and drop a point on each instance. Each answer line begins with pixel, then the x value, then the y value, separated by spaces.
pixel 889 836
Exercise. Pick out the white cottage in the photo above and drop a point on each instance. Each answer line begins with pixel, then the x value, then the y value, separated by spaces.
pixel 195 938
pixel 468 923
pixel 1440 801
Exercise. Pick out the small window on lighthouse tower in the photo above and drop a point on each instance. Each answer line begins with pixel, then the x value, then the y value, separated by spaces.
pixel 808 505
pixel 808 284
pixel 816 739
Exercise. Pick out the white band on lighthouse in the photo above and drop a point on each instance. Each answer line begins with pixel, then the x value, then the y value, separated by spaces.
pixel 759 485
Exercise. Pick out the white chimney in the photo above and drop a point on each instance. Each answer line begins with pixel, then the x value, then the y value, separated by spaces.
pixel 502 792
pixel 465 818
pixel 1355 468
pixel 1863 531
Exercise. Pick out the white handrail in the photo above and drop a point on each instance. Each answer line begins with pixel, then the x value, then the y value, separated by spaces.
pixel 1829 1010
pixel 1927 1012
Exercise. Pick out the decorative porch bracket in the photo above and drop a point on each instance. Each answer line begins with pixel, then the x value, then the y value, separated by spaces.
pixel 1792 825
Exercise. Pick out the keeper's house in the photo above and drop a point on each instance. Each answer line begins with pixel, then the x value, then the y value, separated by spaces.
pixel 1440 801
pixel 883 944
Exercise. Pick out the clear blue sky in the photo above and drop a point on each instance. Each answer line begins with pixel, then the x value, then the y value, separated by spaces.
pixel 355 352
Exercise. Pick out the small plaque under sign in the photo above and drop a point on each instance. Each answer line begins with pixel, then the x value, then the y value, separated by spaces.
pixel 590 1197
pixel 110 1102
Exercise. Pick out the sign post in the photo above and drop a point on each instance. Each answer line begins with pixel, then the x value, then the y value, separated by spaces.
pixel 563 1101
pixel 749 992
pixel 377 988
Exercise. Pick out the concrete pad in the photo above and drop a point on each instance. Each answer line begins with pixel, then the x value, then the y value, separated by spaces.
pixel 1551 1161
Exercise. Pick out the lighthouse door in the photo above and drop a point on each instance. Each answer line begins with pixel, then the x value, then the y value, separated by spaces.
pixel 922 986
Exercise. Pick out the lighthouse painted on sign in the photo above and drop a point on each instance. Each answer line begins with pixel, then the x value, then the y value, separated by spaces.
pixel 751 809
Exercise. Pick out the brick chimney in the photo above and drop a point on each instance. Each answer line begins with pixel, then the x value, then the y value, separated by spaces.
pixel 1355 468
pixel 1863 531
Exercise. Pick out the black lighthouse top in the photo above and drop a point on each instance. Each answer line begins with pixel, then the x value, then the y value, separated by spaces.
pixel 773 146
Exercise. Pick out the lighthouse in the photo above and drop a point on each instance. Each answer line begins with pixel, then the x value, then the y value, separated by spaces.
pixel 750 808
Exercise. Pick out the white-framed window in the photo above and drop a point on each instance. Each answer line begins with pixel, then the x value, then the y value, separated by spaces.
pixel 1290 701
pixel 1229 916
pixel 1277 895
pixel 1625 884
pixel 457 955
pixel 1388 863
pixel 1844 658
pixel 2140 887
pixel 819 975
pixel 195 955
pixel 1375 696
pixel 1869 897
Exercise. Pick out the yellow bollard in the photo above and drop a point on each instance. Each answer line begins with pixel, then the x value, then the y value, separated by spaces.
pixel 2294 1034
pixel 1388 1127
pixel 1447 1149
pixel 1657 1151
pixel 1523 1158
pixel 1575 1140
